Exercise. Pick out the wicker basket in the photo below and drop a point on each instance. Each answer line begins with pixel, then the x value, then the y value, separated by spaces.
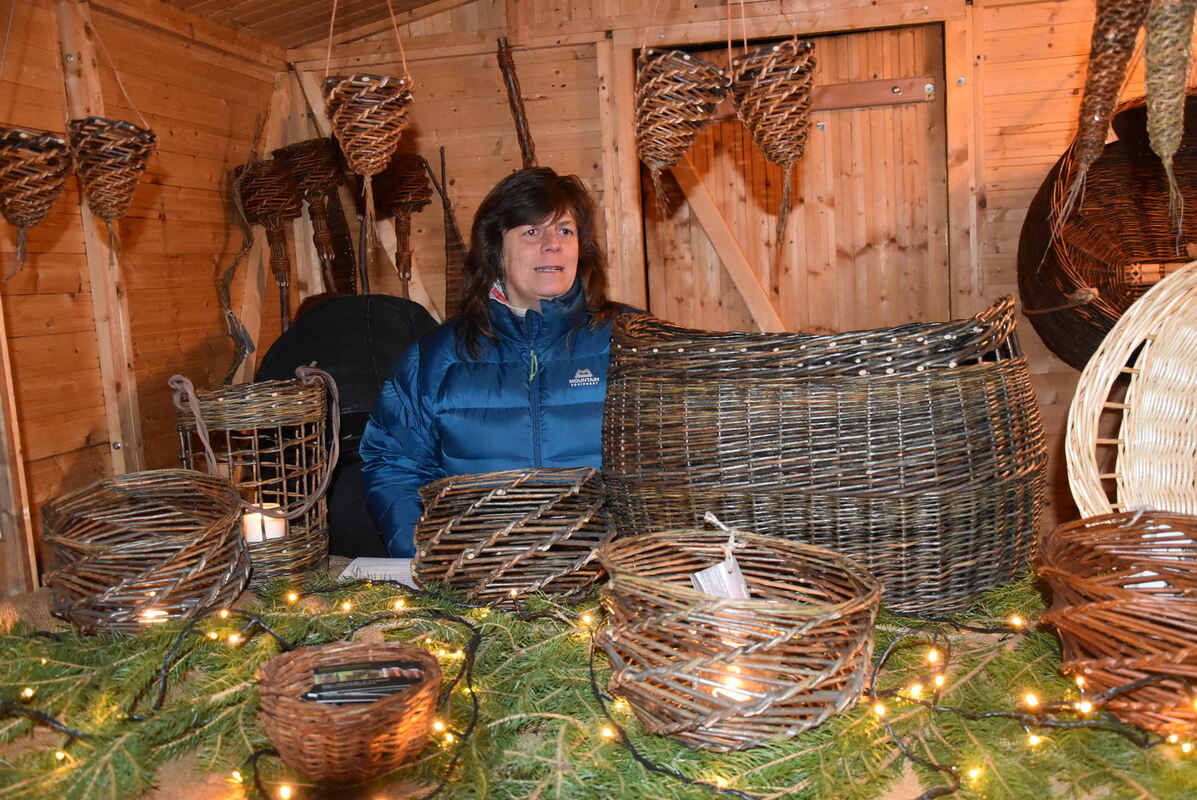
pixel 33 169
pixel 918 451
pixel 1124 589
pixel 403 189
pixel 499 535
pixel 269 438
pixel 269 197
pixel 1120 241
pixel 110 156
pixel 1131 433
pixel 317 172
pixel 369 114
pixel 142 548
pixel 722 674
pixel 346 743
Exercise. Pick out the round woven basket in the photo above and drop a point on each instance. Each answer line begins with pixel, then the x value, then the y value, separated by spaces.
pixel 1124 597
pixel 352 742
pixel 1131 433
pixel 1120 240
pixel 499 535
pixel 269 438
pixel 918 451
pixel 723 674
pixel 33 169
pixel 110 156
pixel 142 548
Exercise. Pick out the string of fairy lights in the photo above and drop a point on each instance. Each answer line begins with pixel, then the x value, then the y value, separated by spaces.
pixel 924 689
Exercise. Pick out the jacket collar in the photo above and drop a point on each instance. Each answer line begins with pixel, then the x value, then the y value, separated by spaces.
pixel 555 317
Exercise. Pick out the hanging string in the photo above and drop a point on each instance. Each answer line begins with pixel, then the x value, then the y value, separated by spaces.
pixel 652 21
pixel 12 10
pixel 395 27
pixel 328 55
pixel 116 74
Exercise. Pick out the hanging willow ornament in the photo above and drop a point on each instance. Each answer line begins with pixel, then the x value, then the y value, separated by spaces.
pixel 403 189
pixel 269 197
pixel 1169 44
pixel 676 95
pixel 313 164
pixel 110 156
pixel 771 89
pixel 33 168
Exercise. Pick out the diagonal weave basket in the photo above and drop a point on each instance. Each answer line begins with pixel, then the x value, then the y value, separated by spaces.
pixel 499 535
pixel 33 169
pixel 144 547
pixel 269 194
pixel 917 451
pixel 368 114
pixel 1131 433
pixel 1124 597
pixel 722 674
pixel 313 166
pixel 676 95
pixel 771 89
pixel 346 743
pixel 110 156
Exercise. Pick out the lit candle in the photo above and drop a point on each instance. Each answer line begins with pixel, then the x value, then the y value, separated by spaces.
pixel 258 527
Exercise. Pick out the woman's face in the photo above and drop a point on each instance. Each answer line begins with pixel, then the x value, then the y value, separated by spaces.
pixel 540 261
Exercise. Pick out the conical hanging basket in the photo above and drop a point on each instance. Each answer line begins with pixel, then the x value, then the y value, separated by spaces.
pixel 368 115
pixel 33 169
pixel 771 89
pixel 676 95
pixel 110 156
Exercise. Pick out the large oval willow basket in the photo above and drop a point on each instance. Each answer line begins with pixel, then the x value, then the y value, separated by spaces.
pixel 917 451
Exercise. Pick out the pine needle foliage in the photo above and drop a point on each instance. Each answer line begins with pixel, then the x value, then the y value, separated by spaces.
pixel 540 732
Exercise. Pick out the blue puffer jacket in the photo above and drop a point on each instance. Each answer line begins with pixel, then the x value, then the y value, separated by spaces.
pixel 533 399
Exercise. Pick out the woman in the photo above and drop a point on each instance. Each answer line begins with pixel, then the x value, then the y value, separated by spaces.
pixel 518 380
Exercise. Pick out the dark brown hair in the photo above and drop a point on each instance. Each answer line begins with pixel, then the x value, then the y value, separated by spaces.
pixel 528 197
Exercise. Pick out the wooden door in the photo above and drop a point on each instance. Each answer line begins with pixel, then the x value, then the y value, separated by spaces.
pixel 866 242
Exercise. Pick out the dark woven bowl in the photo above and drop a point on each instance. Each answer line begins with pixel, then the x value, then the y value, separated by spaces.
pixel 1124 598
pixel 141 548
pixel 346 743
pixel 722 674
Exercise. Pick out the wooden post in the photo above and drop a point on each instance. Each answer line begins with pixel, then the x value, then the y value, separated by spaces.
pixel 77 47
pixel 967 285
pixel 18 562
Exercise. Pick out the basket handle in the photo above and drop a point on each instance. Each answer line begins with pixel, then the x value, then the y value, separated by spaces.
pixel 185 398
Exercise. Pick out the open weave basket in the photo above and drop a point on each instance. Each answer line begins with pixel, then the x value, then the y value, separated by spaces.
pixel 1124 597
pixel 1119 242
pixel 917 451
pixel 270 438
pixel 1131 426
pixel 499 535
pixel 33 169
pixel 368 114
pixel 346 743
pixel 110 156
pixel 144 547
pixel 723 674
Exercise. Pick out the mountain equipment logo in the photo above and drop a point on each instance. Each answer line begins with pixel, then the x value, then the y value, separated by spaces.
pixel 583 377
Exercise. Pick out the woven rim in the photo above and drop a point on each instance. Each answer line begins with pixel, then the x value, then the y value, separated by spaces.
pixel 1123 602
pixel 33 169
pixel 349 743
pixel 676 95
pixel 724 674
pixel 145 547
pixel 110 156
pixel 1143 373
pixel 369 114
pixel 500 535
pixel 267 403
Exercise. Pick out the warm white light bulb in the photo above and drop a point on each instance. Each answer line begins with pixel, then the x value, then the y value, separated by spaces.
pixel 292 597
pixel 1017 621
pixel 285 792
pixel 608 732
pixel 1033 739
pixel 879 709
pixel 1030 700
pixel 1084 706
pixel 346 606
pixel 932 656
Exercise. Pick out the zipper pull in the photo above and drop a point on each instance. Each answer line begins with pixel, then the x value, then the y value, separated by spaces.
pixel 533 367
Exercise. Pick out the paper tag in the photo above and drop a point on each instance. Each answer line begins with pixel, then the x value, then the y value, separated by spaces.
pixel 722 580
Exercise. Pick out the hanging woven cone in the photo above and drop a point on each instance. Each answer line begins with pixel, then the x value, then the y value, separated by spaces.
pixel 269 197
pixel 771 89
pixel 33 168
pixel 1169 44
pixel 110 156
pixel 368 115
pixel 403 189
pixel 314 165
pixel 1110 49
pixel 676 95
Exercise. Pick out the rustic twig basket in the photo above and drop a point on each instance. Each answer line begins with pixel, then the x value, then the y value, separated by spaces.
pixel 1119 241
pixel 403 189
pixel 269 438
pixel 145 547
pixel 676 95
pixel 723 674
pixel 499 535
pixel 771 87
pixel 110 156
pixel 1131 433
pixel 917 451
pixel 349 743
pixel 314 166
pixel 368 114
pixel 1124 589
pixel 269 196
pixel 33 169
